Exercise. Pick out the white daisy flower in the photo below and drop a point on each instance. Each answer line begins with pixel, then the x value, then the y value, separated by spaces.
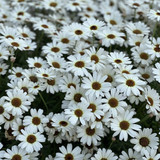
pixel 3 68
pixel 4 52
pixel 98 58
pixel 114 20
pixel 154 48
pixel 154 15
pixel 147 73
pixel 16 153
pixel 26 33
pixel 3 112
pixel 95 84
pixel 77 31
pixel 130 155
pixel 53 5
pixel 110 37
pixel 95 105
pixel 104 154
pixel 69 153
pixel 80 47
pixel 123 69
pixel 156 72
pixel 31 141
pixel 35 121
pixel 17 102
pixel 10 120
pixel 89 136
pixel 51 85
pixel 48 126
pixel 43 24
pixel 138 40
pixel 130 84
pixel 61 123
pixel 77 113
pixel 141 55
pixel 78 65
pixel 110 72
pixel 153 101
pixel 37 62
pixel 144 141
pixel 55 48
pixel 57 63
pixel 75 5
pixel 136 99
pixel 17 127
pixel 151 154
pixel 124 124
pixel 67 81
pixel 137 28
pixel 93 25
pixel 16 43
pixel 114 102
pixel 65 39
pixel 73 96
pixel 45 73
pixel 16 73
pixel 118 58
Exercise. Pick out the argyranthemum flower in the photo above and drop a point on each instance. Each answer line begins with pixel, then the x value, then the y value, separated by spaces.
pixel 141 55
pixel 78 65
pixel 156 72
pixel 54 48
pixel 124 124
pixel 104 154
pixel 89 136
pixel 130 84
pixel 95 84
pixel 77 31
pixel 73 96
pixel 37 62
pixel 154 15
pixel 138 28
pixel 17 102
pixel 153 101
pixel 145 140
pixel 118 59
pixel 98 58
pixel 130 155
pixel 113 102
pixel 110 37
pixel 67 81
pixel 151 154
pixel 35 121
pixel 16 153
pixel 77 113
pixel 95 105
pixel 69 153
pixel 61 123
pixel 93 25
pixel 30 141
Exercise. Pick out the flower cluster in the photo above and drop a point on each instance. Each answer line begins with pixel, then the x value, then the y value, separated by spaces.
pixel 79 79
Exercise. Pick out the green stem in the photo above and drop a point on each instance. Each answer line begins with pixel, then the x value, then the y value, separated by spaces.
pixel 145 118
pixel 93 39
pixel 155 29
pixel 110 49
pixel 110 144
pixel 43 101
pixel 134 18
pixel 151 4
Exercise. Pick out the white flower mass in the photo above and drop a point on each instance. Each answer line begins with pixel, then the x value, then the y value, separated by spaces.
pixel 79 79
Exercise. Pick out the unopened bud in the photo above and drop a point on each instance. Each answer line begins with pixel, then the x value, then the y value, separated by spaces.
pixel 12 59
pixel 113 139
